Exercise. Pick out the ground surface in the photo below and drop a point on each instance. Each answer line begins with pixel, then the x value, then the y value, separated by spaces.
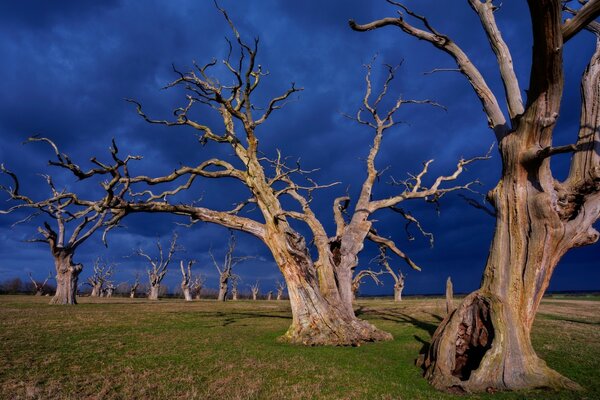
pixel 134 349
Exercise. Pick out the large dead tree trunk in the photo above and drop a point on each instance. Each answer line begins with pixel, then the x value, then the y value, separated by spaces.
pixel 320 289
pixel 154 291
pixel 186 280
pixel 223 288
pixel 67 276
pixel 485 343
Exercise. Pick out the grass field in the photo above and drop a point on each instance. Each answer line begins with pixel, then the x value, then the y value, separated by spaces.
pixel 134 349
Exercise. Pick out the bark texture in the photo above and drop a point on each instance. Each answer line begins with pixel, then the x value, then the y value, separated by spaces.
pixel 67 277
pixel 485 344
pixel 320 289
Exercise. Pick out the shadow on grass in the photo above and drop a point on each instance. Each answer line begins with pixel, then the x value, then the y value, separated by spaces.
pixel 400 317
pixel 233 317
pixel 553 317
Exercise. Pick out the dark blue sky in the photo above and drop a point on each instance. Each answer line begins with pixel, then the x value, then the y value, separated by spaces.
pixel 67 66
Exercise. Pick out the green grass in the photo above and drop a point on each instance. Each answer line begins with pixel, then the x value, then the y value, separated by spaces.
pixel 134 349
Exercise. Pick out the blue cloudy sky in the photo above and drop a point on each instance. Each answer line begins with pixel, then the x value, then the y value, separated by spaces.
pixel 67 66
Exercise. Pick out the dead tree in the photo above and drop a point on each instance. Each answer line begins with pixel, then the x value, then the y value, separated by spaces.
pixel 270 295
pixel 186 280
pixel 70 213
pixel 235 280
pixel 280 290
pixel 226 268
pixel 320 287
pixel 101 272
pixel 134 286
pixel 39 287
pixel 449 296
pixel 486 342
pixel 196 286
pixel 398 277
pixel 158 266
pixel 358 280
pixel 109 289
pixel 255 289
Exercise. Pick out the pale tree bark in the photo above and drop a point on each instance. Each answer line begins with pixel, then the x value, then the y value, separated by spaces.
pixel 255 289
pixel 234 287
pixel 357 281
pixel 186 280
pixel 134 286
pixel 485 343
pixel 280 290
pixel 196 286
pixel 158 265
pixel 109 289
pixel 225 269
pixel 449 296
pixel 70 212
pixel 319 286
pixel 101 272
pixel 398 277
pixel 270 295
pixel 39 287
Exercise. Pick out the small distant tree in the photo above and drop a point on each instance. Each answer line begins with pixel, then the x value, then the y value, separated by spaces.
pixel 109 289
pixel 255 289
pixel 358 279
pixel 39 287
pixel 196 286
pixel 270 295
pixel 158 266
pixel 102 271
pixel 226 268
pixel 235 280
pixel 397 276
pixel 186 280
pixel 280 289
pixel 134 287
pixel 449 296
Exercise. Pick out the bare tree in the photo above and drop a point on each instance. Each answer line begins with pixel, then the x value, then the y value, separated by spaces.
pixel 158 266
pixel 68 213
pixel 134 286
pixel 226 268
pixel 39 287
pixel 270 295
pixel 280 290
pixel 255 289
pixel 449 296
pixel 485 343
pixel 101 272
pixel 398 277
pixel 320 289
pixel 109 289
pixel 186 280
pixel 196 286
pixel 358 279
pixel 235 280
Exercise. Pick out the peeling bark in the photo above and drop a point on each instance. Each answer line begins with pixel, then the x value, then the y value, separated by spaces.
pixel 485 343
pixel 67 276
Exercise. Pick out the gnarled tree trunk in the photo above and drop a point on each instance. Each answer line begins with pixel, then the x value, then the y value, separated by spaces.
pixel 153 294
pixel 398 292
pixel 486 342
pixel 318 319
pixel 96 291
pixel 186 292
pixel 67 276
pixel 223 284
